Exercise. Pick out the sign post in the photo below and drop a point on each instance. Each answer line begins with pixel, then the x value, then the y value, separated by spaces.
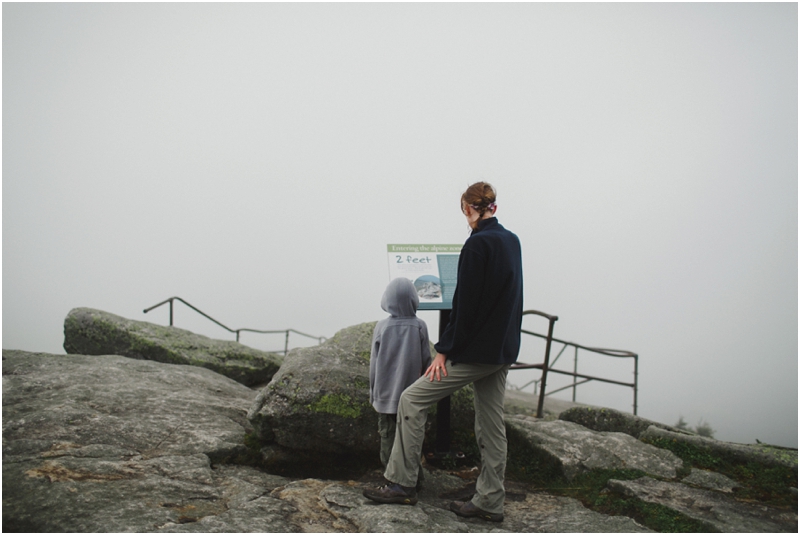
pixel 434 271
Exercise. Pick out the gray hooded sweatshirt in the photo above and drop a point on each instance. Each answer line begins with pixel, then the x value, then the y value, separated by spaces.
pixel 400 348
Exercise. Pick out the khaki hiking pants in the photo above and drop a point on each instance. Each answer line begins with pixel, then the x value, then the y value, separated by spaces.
pixel 489 383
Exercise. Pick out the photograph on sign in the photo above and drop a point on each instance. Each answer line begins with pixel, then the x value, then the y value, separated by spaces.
pixel 432 268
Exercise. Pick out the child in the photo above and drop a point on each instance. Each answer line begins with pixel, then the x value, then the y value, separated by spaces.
pixel 400 354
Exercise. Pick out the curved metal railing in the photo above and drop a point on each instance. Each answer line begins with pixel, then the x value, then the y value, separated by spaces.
pixel 320 339
pixel 546 367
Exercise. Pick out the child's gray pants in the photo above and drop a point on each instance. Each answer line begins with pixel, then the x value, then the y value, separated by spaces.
pixel 489 382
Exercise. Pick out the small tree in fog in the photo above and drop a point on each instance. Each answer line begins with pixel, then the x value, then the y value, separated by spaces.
pixel 703 429
pixel 682 425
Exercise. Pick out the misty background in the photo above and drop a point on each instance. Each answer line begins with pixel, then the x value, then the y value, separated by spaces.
pixel 256 159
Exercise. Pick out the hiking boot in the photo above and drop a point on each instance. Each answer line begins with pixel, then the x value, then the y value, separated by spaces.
pixel 392 493
pixel 470 510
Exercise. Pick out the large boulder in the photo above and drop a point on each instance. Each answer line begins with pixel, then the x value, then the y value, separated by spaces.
pixel 738 453
pixel 571 449
pixel 319 399
pixel 319 403
pixel 604 419
pixel 93 332
pixel 113 444
pixel 718 511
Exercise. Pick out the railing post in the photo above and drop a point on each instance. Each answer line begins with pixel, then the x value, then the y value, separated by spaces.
pixel 575 379
pixel 170 312
pixel 237 335
pixel 540 407
pixel 286 344
pixel 635 383
pixel 546 369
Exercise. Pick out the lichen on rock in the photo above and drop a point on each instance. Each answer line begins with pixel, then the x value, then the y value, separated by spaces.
pixel 319 399
pixel 95 332
pixel 605 419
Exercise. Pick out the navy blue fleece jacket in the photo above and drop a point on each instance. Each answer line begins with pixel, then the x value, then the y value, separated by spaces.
pixel 486 318
pixel 400 347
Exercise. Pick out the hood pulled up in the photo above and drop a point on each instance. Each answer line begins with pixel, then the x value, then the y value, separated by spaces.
pixel 400 298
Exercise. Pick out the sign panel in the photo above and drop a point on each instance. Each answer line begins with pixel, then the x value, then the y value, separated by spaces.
pixel 432 268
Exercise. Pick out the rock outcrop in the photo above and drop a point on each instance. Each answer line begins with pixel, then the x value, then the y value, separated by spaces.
pixel 94 332
pixel 574 449
pixel 111 443
pixel 742 453
pixel 320 398
pixel 603 419
pixel 318 403
pixel 528 512
pixel 721 513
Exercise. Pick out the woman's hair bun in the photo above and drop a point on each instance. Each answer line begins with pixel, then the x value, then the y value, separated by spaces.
pixel 479 195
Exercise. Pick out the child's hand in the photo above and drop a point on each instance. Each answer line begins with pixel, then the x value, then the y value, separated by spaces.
pixel 437 368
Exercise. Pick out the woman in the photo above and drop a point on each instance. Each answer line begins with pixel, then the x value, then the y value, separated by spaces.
pixel 477 347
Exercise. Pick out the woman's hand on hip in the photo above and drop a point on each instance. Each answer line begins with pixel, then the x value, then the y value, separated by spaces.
pixel 437 368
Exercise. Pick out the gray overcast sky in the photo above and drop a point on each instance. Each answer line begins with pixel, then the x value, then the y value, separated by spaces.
pixel 255 159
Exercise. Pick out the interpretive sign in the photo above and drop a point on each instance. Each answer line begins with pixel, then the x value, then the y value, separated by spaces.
pixel 432 268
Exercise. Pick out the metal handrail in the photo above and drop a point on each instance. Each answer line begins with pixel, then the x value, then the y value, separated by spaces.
pixel 320 339
pixel 546 366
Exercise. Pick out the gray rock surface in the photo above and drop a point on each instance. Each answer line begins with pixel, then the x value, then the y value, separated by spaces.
pixel 761 453
pixel 338 506
pixel 263 514
pixel 577 449
pixel 710 480
pixel 109 443
pixel 93 332
pixel 320 397
pixel 113 444
pixel 525 404
pixel 543 513
pixel 319 401
pixel 717 510
pixel 603 419
pixel 347 503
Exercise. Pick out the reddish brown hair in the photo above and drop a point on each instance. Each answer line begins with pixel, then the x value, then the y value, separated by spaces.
pixel 479 196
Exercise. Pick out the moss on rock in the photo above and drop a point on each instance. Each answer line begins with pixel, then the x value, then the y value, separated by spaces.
pixel 94 332
pixel 338 404
pixel 319 400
